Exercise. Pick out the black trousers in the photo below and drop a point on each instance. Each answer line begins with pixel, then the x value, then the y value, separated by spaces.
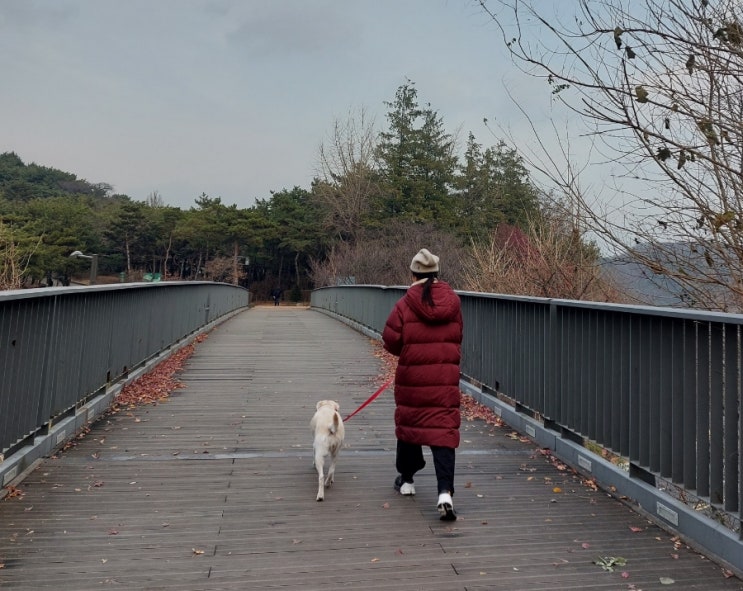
pixel 410 460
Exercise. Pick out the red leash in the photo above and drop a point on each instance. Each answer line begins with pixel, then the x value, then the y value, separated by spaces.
pixel 371 399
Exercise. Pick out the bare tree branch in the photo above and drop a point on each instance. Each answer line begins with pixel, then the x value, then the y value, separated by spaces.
pixel 347 180
pixel 660 84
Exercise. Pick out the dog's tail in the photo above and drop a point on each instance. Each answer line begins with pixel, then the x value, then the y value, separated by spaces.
pixel 336 420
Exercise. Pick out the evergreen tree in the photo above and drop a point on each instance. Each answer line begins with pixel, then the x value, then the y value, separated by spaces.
pixel 125 232
pixel 416 161
pixel 494 188
pixel 296 233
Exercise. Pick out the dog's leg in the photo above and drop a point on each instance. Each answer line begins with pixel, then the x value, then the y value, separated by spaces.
pixel 330 478
pixel 319 464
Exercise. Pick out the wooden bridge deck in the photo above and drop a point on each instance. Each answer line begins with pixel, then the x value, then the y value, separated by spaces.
pixel 213 489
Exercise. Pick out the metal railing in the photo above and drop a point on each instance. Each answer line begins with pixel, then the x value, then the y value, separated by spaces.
pixel 658 390
pixel 61 347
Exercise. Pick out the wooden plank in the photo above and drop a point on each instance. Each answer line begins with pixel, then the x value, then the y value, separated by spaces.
pixel 214 489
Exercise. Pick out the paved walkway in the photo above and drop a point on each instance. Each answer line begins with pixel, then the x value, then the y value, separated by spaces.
pixel 213 489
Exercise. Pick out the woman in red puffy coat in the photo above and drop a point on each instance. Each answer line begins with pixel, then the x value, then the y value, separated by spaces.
pixel 425 330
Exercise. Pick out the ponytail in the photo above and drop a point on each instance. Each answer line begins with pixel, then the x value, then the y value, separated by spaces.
pixel 426 295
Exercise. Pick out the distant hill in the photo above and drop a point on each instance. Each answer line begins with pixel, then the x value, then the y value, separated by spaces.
pixel 21 182
pixel 649 287
pixel 689 258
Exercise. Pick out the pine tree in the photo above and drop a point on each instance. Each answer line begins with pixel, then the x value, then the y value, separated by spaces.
pixel 417 162
pixel 494 188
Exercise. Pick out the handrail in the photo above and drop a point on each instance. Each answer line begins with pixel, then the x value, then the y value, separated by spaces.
pixel 657 390
pixel 60 347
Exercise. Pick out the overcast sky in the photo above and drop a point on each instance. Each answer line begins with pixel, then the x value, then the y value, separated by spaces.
pixel 233 98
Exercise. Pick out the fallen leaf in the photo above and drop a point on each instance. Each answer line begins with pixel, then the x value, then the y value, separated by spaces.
pixel 375 559
pixel 666 581
pixel 197 552
pixel 590 483
pixel 113 532
pixel 585 545
pixel 386 506
pixel 609 562
pixel 625 575
pixel 556 490
pixel 636 529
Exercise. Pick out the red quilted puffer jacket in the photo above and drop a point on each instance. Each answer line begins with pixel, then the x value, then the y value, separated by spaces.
pixel 428 340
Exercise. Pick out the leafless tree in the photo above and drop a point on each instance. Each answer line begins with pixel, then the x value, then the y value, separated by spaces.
pixel 13 260
pixel 382 256
pixel 548 259
pixel 155 199
pixel 346 179
pixel 222 269
pixel 660 83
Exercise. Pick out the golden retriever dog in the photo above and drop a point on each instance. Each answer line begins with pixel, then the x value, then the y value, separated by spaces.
pixel 327 427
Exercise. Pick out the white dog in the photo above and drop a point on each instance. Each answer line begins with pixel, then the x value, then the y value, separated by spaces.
pixel 327 426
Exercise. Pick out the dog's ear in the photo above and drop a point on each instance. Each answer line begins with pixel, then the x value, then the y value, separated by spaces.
pixel 336 406
pixel 319 404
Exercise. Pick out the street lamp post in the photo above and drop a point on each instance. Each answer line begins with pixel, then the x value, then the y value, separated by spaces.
pixel 93 258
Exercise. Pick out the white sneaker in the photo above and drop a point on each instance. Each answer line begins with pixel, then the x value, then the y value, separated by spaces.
pixel 445 506
pixel 404 488
pixel 407 488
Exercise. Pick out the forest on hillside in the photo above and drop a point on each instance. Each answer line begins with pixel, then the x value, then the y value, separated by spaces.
pixel 654 86
pixel 378 198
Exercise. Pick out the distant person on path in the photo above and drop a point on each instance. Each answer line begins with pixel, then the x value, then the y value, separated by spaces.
pixel 425 330
pixel 276 294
